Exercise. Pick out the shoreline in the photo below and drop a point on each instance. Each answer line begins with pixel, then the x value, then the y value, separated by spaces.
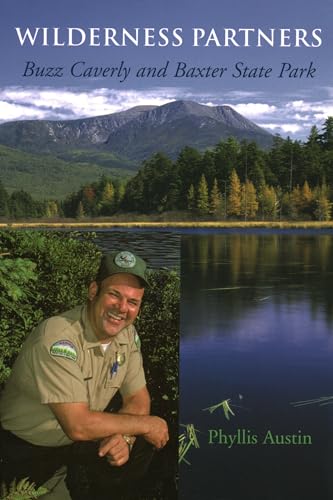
pixel 170 224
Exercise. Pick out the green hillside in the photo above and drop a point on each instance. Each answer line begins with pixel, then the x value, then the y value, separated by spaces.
pixel 46 176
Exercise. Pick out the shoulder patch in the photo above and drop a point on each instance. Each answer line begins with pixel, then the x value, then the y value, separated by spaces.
pixel 64 349
pixel 137 340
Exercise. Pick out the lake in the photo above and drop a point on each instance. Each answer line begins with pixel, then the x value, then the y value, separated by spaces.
pixel 256 331
pixel 158 248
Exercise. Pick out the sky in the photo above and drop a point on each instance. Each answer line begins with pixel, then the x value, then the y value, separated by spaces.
pixel 285 89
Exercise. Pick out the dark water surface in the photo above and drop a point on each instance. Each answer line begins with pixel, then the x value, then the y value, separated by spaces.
pixel 158 248
pixel 256 326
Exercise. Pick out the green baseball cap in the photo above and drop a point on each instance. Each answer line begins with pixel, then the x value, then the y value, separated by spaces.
pixel 122 262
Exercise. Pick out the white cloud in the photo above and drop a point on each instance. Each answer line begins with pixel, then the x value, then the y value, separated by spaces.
pixel 21 103
pixel 291 128
pixel 11 111
pixel 253 110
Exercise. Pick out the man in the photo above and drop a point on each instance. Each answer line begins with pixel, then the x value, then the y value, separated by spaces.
pixel 69 368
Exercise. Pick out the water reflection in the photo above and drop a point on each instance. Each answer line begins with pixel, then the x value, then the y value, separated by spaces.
pixel 256 320
pixel 241 272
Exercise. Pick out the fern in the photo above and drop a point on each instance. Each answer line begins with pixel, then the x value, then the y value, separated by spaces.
pixel 21 490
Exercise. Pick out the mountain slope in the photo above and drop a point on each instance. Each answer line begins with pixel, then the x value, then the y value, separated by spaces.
pixel 53 136
pixel 137 133
pixel 45 176
pixel 170 127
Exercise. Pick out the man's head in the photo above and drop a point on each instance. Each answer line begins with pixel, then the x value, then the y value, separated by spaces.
pixel 116 294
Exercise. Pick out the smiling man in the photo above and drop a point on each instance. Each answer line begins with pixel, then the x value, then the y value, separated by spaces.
pixel 69 369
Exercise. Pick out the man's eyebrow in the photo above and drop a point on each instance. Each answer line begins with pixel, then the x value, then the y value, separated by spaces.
pixel 111 289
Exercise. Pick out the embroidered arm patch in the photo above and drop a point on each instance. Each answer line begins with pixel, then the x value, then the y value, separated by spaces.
pixel 64 349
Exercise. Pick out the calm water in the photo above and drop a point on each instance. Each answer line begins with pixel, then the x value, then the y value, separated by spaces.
pixel 158 248
pixel 257 328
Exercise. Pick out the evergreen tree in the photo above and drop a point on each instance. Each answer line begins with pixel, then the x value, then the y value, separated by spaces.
pixel 252 161
pixel 202 196
pixel 189 167
pixel 119 193
pixel 306 206
pixel 249 202
pixel 327 135
pixel 294 209
pixel 312 157
pixel 52 209
pixel 4 201
pixel 106 204
pixel 268 202
pixel 234 198
pixel 323 207
pixel 191 198
pixel 208 167
pixel 226 156
pixel 22 205
pixel 80 211
pixel 215 204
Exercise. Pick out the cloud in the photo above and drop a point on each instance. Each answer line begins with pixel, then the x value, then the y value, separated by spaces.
pixel 287 128
pixel 272 111
pixel 57 104
pixel 253 110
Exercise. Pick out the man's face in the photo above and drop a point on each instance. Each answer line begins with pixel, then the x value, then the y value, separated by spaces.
pixel 115 305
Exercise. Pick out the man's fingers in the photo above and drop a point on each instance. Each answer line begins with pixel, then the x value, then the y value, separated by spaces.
pixel 108 444
pixel 113 446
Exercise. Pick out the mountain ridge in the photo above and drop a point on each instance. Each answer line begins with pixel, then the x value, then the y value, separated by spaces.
pixel 138 132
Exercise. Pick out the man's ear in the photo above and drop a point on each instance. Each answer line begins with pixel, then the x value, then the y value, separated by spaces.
pixel 92 290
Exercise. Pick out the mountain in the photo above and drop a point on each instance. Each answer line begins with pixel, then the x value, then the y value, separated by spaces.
pixel 137 133
pixel 170 127
pixel 54 136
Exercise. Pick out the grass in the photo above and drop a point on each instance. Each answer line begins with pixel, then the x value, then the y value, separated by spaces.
pixel 149 222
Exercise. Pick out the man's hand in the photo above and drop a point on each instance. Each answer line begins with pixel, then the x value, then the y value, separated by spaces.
pixel 157 434
pixel 115 449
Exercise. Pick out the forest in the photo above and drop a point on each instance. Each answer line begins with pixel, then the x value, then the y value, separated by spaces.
pixel 293 180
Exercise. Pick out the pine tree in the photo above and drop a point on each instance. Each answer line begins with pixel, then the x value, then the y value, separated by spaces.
pixel 249 202
pixel 234 198
pixel 215 204
pixel 107 202
pixel 295 203
pixel 306 199
pixel 323 208
pixel 4 201
pixel 268 202
pixel 191 198
pixel 80 211
pixel 202 197
pixel 52 209
pixel 327 135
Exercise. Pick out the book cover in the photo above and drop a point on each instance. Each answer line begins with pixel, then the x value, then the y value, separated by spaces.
pixel 255 350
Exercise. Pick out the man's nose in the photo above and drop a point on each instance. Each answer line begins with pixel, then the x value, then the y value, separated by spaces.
pixel 122 304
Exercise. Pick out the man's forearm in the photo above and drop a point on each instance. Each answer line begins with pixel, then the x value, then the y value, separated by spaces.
pixel 82 424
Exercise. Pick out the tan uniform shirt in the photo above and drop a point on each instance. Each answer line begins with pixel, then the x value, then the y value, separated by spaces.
pixel 63 362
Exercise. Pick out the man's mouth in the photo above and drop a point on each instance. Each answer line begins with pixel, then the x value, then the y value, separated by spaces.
pixel 114 316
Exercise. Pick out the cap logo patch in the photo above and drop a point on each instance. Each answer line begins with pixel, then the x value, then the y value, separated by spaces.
pixel 126 260
pixel 64 349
